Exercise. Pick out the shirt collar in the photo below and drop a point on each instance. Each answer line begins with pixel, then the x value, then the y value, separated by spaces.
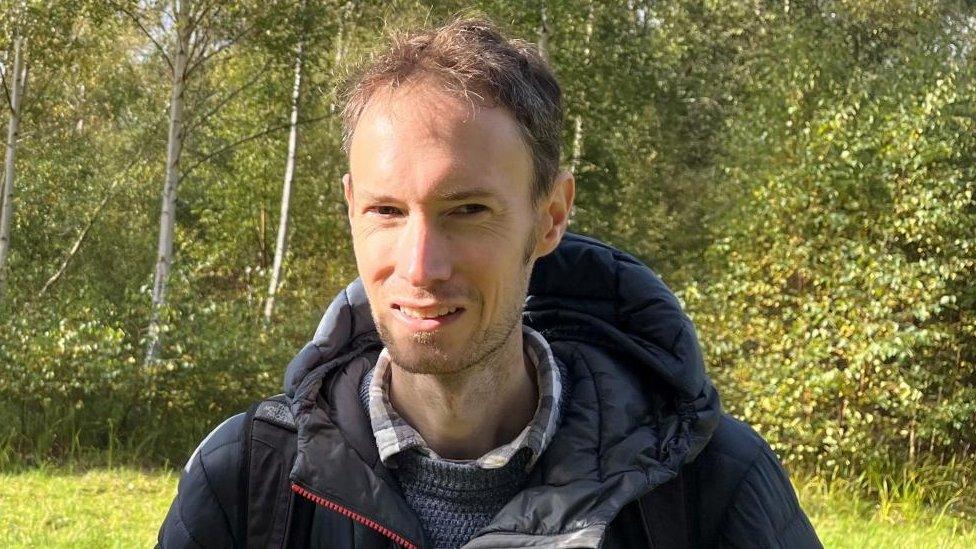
pixel 394 435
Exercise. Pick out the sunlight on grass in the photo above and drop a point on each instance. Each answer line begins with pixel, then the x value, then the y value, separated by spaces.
pixel 124 507
pixel 99 508
pixel 845 519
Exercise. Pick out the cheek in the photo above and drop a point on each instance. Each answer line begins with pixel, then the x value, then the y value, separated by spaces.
pixel 374 252
pixel 498 273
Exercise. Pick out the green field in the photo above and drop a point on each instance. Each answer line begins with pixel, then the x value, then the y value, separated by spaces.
pixel 123 508
pixel 98 508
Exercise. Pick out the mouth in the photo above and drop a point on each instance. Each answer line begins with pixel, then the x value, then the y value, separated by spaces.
pixel 427 318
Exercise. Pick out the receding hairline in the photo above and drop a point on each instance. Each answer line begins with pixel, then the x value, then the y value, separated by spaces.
pixel 386 96
pixel 389 105
pixel 471 59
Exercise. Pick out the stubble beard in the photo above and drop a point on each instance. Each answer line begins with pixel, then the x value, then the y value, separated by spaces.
pixel 427 356
pixel 425 352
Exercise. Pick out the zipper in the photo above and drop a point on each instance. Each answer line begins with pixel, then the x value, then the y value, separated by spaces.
pixel 349 513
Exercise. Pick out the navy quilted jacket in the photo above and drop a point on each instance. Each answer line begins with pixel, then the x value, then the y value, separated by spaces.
pixel 639 409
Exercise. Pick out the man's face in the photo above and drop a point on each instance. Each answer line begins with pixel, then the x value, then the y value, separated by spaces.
pixel 443 226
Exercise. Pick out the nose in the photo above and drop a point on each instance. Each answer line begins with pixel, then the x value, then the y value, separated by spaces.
pixel 424 257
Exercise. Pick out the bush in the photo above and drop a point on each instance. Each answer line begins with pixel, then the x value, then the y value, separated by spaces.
pixel 841 316
pixel 74 386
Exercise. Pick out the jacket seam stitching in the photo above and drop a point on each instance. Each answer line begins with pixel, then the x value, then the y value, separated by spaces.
pixel 213 493
pixel 214 449
pixel 752 467
pixel 182 524
pixel 599 409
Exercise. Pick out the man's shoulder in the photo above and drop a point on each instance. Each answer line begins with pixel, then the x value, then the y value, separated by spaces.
pixel 208 498
pixel 744 493
pixel 734 451
pixel 222 446
pixel 735 443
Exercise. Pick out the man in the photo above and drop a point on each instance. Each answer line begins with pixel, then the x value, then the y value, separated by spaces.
pixel 488 381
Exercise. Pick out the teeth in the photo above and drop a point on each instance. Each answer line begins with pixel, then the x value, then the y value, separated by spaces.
pixel 415 313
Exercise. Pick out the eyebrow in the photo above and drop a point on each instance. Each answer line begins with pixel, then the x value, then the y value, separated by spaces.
pixel 447 196
pixel 466 194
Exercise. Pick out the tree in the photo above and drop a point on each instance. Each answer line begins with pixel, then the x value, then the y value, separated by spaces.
pixel 577 150
pixel 14 96
pixel 281 243
pixel 46 40
pixel 198 31
pixel 836 312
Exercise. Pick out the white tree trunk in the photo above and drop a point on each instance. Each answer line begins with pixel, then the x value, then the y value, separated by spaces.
pixel 174 150
pixel 577 143
pixel 340 36
pixel 7 210
pixel 544 33
pixel 339 44
pixel 281 243
pixel 577 153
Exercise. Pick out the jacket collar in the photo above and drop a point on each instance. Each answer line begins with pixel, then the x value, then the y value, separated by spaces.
pixel 638 403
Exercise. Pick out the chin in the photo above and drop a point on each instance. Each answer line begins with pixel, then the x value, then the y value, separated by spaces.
pixel 420 359
pixel 421 352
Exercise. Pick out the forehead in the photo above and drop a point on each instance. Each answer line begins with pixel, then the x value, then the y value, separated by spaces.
pixel 417 137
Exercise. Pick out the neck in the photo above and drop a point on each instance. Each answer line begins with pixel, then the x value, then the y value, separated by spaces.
pixel 464 415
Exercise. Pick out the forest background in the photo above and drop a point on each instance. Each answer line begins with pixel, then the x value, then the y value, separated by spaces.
pixel 802 174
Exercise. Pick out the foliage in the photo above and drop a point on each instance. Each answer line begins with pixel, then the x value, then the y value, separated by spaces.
pixel 849 249
pixel 803 174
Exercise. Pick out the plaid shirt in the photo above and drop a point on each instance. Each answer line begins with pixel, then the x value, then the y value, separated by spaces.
pixel 394 435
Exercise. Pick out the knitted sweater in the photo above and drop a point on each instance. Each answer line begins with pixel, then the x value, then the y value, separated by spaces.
pixel 454 499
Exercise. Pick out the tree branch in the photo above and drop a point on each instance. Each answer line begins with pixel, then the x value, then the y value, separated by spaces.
pixel 6 90
pixel 198 39
pixel 195 19
pixel 87 229
pixel 206 57
pixel 78 242
pixel 243 140
pixel 195 121
pixel 135 19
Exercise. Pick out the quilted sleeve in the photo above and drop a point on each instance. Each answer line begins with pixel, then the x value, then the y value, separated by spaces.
pixel 207 509
pixel 764 511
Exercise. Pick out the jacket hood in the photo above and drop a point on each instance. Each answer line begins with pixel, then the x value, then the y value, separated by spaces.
pixel 638 406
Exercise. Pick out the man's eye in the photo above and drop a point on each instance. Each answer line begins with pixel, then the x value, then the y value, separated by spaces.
pixel 385 211
pixel 470 209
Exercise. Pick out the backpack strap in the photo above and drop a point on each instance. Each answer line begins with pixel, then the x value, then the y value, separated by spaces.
pixel 269 452
pixel 667 511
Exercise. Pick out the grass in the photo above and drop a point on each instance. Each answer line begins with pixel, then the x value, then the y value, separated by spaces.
pixel 124 507
pixel 97 508
pixel 846 518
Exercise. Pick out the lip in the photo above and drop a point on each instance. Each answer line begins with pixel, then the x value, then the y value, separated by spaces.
pixel 425 324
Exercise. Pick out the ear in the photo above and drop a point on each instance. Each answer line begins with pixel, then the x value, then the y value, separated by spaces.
pixel 347 193
pixel 554 212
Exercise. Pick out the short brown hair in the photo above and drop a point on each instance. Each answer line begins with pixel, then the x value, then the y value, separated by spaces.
pixel 471 58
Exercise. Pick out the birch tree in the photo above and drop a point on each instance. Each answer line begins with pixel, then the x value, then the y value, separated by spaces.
pixel 281 242
pixel 198 32
pixel 179 62
pixel 14 94
pixel 48 57
pixel 544 32
pixel 577 151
